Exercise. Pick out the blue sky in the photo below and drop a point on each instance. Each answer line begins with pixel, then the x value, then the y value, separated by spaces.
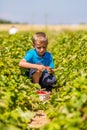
pixel 44 11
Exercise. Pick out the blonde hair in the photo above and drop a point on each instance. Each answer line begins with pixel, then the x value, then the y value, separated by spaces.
pixel 40 37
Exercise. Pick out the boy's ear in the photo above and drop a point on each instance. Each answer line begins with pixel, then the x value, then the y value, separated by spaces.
pixel 34 45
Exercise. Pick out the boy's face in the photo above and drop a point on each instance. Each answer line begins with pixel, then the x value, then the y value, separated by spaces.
pixel 40 48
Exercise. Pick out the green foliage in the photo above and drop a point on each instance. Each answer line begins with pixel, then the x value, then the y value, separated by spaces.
pixel 67 107
pixel 2 21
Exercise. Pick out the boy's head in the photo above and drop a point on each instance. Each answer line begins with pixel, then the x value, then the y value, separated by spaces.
pixel 40 37
pixel 40 42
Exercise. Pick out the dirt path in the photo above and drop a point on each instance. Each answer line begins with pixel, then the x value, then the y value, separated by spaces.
pixel 39 120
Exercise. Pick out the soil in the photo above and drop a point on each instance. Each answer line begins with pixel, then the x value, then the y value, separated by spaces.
pixel 39 120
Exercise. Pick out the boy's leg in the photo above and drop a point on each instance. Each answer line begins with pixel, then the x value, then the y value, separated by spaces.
pixel 47 81
pixel 36 76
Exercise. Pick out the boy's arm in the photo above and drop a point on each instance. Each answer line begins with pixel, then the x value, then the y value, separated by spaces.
pixel 23 63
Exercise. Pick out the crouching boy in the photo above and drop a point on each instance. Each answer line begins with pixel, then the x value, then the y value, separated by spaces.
pixel 39 62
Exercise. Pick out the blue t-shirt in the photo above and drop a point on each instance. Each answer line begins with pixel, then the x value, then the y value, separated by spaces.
pixel 33 57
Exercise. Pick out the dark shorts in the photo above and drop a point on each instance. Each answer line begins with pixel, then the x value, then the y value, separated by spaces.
pixel 46 81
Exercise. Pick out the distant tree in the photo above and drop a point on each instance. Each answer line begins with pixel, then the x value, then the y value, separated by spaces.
pixel 3 21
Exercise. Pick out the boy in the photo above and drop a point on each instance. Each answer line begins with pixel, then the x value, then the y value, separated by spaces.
pixel 40 62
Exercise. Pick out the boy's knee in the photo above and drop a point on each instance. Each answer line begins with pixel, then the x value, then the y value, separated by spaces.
pixel 39 72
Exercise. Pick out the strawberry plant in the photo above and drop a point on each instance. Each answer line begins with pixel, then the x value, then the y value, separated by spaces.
pixel 67 106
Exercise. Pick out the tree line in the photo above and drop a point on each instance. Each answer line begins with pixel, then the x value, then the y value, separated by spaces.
pixel 3 21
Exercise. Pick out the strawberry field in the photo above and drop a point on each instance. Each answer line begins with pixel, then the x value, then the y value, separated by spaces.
pixel 67 107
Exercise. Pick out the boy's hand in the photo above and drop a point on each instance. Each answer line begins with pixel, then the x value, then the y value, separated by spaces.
pixel 50 70
pixel 41 67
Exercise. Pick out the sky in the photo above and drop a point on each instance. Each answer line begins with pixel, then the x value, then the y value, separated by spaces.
pixel 44 11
